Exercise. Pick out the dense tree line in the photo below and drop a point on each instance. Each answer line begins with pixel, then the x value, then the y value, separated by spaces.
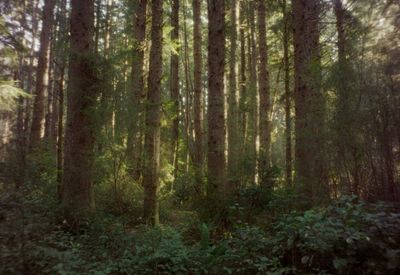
pixel 215 95
pixel 199 137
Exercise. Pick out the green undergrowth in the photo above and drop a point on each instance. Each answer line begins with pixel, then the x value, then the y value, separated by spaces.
pixel 346 237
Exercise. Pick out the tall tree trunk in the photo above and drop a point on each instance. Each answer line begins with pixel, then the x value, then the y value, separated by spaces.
pixel 54 108
pixel 216 101
pixel 30 80
pixel 188 97
pixel 309 100
pixel 153 109
pixel 288 98
pixel 81 100
pixel 242 92
pixel 264 157
pixel 174 86
pixel 252 96
pixel 42 74
pixel 134 143
pixel 58 110
pixel 198 160
pixel 233 114
pixel 50 91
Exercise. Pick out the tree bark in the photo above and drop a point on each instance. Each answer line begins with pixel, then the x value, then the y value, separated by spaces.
pixel 309 101
pixel 187 105
pixel 252 97
pixel 42 75
pixel 264 157
pixel 81 100
pixel 198 160
pixel 174 86
pixel 50 91
pixel 58 101
pixel 242 92
pixel 153 108
pixel 134 143
pixel 233 115
pixel 216 101
pixel 288 99
pixel 30 80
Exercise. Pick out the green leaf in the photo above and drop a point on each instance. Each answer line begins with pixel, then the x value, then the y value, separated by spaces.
pixel 9 95
pixel 339 263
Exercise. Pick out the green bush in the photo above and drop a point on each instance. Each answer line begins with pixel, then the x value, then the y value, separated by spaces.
pixel 344 238
pixel 249 253
pixel 347 237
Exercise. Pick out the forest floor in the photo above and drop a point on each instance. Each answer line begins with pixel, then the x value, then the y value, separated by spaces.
pixel 345 237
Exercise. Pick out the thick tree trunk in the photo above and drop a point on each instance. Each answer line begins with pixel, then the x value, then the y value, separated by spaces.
pixel 79 132
pixel 288 99
pixel 216 101
pixel 134 143
pixel 198 160
pixel 264 157
pixel 42 74
pixel 153 109
pixel 309 101
pixel 233 114
pixel 174 86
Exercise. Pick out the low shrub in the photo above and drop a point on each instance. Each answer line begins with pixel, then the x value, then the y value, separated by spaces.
pixel 347 237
